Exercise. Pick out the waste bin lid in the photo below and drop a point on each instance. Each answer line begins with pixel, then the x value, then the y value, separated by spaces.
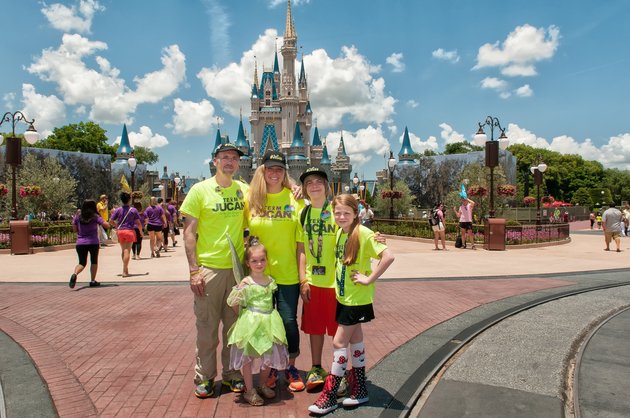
pixel 496 221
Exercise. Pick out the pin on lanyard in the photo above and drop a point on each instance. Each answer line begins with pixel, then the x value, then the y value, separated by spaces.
pixel 320 238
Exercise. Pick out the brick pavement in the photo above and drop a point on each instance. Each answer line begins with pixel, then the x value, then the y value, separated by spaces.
pixel 128 350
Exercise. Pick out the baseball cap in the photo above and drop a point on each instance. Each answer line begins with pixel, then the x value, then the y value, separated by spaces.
pixel 274 159
pixel 313 171
pixel 228 147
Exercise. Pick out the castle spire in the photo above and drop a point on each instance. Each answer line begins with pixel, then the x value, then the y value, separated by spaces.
pixel 405 156
pixel 276 66
pixel 124 149
pixel 289 31
pixel 341 151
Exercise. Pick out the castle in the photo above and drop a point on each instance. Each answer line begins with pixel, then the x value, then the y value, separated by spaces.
pixel 281 119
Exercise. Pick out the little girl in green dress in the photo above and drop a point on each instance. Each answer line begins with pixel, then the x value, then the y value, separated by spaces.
pixel 258 332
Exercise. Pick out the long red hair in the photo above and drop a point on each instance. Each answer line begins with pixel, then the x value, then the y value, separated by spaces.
pixel 352 244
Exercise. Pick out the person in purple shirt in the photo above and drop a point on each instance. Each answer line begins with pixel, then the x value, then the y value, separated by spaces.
pixel 172 209
pixel 155 223
pixel 125 220
pixel 86 224
pixel 166 227
pixel 136 247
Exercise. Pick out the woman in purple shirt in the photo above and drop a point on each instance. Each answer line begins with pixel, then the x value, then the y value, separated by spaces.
pixel 86 223
pixel 136 247
pixel 155 223
pixel 125 220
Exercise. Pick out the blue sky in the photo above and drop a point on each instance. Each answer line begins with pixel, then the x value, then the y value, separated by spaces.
pixel 555 73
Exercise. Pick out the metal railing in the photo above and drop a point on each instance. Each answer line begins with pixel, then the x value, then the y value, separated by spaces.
pixel 514 234
pixel 42 236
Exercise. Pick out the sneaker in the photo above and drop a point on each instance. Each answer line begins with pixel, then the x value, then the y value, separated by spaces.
pixel 204 390
pixel 272 379
pixel 235 384
pixel 94 283
pixel 296 384
pixel 315 378
pixel 73 281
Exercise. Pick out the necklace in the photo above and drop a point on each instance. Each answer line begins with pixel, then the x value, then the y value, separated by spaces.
pixel 341 281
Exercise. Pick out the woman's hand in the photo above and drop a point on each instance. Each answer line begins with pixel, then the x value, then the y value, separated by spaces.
pixel 358 278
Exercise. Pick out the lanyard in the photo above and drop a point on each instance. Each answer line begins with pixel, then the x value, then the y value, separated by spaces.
pixel 341 281
pixel 320 238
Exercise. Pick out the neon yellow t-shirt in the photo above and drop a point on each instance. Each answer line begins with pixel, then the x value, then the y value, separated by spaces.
pixel 356 294
pixel 312 222
pixel 219 211
pixel 103 210
pixel 279 230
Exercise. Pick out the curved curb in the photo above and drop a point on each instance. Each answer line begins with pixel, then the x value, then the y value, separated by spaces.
pixel 60 382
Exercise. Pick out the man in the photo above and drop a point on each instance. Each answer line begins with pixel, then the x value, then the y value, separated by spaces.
pixel 465 216
pixel 103 211
pixel 214 208
pixel 613 224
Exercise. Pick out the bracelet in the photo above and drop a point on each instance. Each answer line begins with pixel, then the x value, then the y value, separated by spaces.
pixel 194 272
pixel 303 282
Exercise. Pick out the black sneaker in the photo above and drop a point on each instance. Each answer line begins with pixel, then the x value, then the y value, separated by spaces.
pixel 73 281
pixel 94 283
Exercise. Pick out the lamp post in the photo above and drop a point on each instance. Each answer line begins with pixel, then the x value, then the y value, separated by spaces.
pixel 132 163
pixel 14 150
pixel 177 179
pixel 362 192
pixel 538 171
pixel 355 181
pixel 346 188
pixel 492 151
pixel 391 164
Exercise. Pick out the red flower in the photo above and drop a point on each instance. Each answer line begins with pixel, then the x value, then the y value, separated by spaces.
pixel 506 190
pixel 477 190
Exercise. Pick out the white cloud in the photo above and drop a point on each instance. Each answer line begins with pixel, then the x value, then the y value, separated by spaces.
pixel 218 25
pixel 395 60
pixel 524 91
pixel 274 3
pixel 361 146
pixel 518 135
pixel 450 56
pixel 110 99
pixel 48 111
pixel 412 103
pixel 494 83
pixel 192 118
pixel 8 99
pixel 522 48
pixel 418 145
pixel 72 19
pixel 145 138
pixel 449 135
pixel 340 87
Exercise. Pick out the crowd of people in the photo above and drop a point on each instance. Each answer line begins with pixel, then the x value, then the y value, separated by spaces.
pixel 126 224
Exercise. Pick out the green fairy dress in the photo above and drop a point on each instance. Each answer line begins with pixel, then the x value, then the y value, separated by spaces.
pixel 258 332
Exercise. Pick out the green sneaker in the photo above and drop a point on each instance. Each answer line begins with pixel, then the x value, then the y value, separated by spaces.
pixel 315 378
pixel 204 390
pixel 236 384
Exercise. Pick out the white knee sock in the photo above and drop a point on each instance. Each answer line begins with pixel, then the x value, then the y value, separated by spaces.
pixel 340 362
pixel 357 353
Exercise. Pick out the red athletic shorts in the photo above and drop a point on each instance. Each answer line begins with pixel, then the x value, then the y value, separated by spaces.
pixel 318 316
pixel 126 235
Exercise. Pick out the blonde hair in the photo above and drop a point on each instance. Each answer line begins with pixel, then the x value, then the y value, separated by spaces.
pixel 352 244
pixel 153 201
pixel 258 190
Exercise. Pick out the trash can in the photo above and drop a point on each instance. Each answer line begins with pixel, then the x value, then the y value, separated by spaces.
pixel 495 234
pixel 20 237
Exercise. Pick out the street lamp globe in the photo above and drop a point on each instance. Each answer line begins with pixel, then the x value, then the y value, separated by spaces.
pixel 504 142
pixel 161 187
pixel 480 137
pixel 391 163
pixel 31 135
pixel 177 180
pixel 132 163
pixel 542 167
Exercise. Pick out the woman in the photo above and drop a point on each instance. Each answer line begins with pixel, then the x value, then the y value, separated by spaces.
pixel 125 220
pixel 273 215
pixel 167 227
pixel 155 223
pixel 437 224
pixel 136 247
pixel 87 223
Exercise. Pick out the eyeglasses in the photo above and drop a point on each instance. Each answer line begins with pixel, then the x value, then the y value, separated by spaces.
pixel 229 159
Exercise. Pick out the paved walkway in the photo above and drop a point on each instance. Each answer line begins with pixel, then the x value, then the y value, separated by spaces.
pixel 124 349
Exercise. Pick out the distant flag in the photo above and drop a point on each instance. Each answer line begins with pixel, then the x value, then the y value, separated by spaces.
pixel 463 193
pixel 124 184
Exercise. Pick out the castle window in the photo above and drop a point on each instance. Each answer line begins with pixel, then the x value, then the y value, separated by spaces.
pixel 268 102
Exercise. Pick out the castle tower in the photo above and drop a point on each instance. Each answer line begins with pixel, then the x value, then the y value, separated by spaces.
pixel 316 148
pixel 245 167
pixel 124 150
pixel 341 167
pixel 296 159
pixel 405 156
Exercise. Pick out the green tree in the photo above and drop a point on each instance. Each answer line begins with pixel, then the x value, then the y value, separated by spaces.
pixel 582 197
pixel 401 205
pixel 57 186
pixel 461 148
pixel 82 137
pixel 145 155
